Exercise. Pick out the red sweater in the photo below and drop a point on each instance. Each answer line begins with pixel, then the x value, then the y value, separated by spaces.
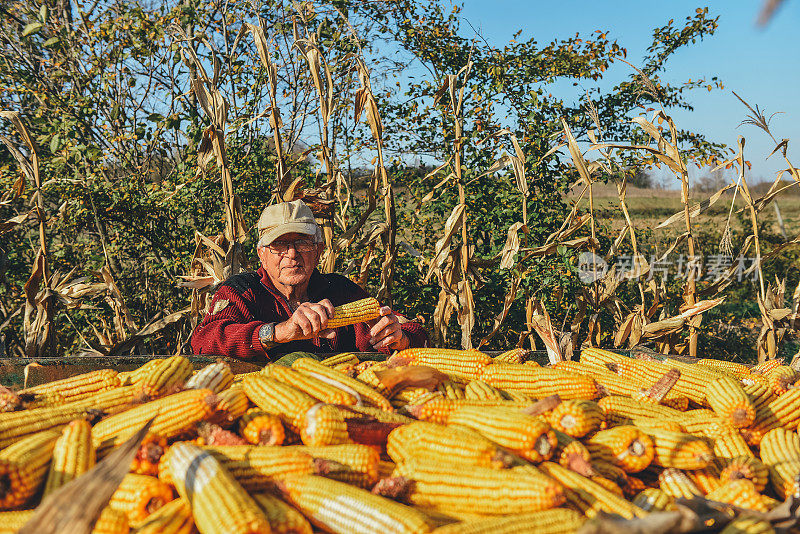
pixel 246 301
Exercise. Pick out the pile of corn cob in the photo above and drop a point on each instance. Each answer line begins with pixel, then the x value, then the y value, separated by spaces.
pixel 501 446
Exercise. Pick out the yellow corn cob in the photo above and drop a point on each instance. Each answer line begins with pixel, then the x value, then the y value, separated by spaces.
pixel 411 394
pixel 137 375
pixel 740 492
pixel 748 525
pixel 607 484
pixel 704 423
pixel 622 410
pixel 261 428
pixel 369 378
pixel 376 413
pixel 690 384
pixel 215 376
pixel 516 396
pixel 73 455
pixel 654 500
pixel 781 378
pixel 232 405
pixel 338 507
pixel 418 397
pixel 576 418
pixel 111 521
pixel 736 369
pixel 478 490
pixel 73 388
pixel 323 424
pixel 151 449
pixel 682 451
pixel 322 372
pixel 283 400
pixel 512 356
pixel 315 387
pixel 786 409
pixel 626 446
pixel 218 501
pixel 555 521
pixel 138 496
pixel 339 359
pixel 677 484
pixel 172 415
pixel 283 519
pixel 595 356
pixel 572 454
pixel 779 445
pixel 256 467
pixel 467 364
pixel 17 425
pixel 450 390
pixel 766 366
pixel 540 382
pixel 746 467
pixel 175 517
pixel 166 376
pixel 527 436
pixel 765 421
pixel 353 463
pixel 707 479
pixel 760 394
pixel 729 446
pixel 783 477
pixel 588 496
pixel 612 473
pixel 729 400
pixel 11 522
pixel 448 443
pixel 617 385
pixel 770 502
pixel 437 410
pixel 23 467
pixel 358 311
pixel 386 468
pixel 648 422
pixel 238 378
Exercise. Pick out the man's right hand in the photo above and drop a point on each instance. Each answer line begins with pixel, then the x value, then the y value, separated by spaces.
pixel 309 320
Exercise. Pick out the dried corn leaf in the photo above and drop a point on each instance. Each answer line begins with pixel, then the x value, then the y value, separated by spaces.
pixel 451 226
pixel 74 507
pixel 696 210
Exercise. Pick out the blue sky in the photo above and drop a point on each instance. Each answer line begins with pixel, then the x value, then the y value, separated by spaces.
pixel 761 64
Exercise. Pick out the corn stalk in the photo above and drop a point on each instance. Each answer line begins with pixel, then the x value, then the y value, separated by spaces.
pixel 39 319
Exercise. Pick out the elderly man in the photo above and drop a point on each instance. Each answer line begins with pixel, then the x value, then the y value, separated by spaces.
pixel 285 305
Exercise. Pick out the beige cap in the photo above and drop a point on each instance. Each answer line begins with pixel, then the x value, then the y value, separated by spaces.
pixel 285 218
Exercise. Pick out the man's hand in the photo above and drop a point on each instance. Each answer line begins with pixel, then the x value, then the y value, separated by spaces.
pixel 386 332
pixel 309 320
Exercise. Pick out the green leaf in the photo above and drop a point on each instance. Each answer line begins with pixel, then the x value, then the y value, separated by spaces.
pixel 43 13
pixel 55 143
pixel 32 28
pixel 51 41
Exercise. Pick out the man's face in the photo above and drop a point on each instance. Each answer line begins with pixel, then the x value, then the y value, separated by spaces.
pixel 292 268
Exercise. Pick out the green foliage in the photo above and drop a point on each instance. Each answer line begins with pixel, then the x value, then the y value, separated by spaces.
pixel 108 102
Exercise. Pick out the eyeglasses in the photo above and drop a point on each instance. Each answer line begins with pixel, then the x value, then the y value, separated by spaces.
pixel 301 245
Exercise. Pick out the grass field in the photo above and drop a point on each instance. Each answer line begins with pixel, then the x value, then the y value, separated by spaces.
pixel 650 207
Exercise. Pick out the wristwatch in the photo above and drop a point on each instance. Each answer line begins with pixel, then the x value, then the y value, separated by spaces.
pixel 266 335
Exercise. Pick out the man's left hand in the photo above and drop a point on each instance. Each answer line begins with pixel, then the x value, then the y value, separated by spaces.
pixel 386 332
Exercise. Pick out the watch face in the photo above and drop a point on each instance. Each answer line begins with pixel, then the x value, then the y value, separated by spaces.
pixel 267 332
